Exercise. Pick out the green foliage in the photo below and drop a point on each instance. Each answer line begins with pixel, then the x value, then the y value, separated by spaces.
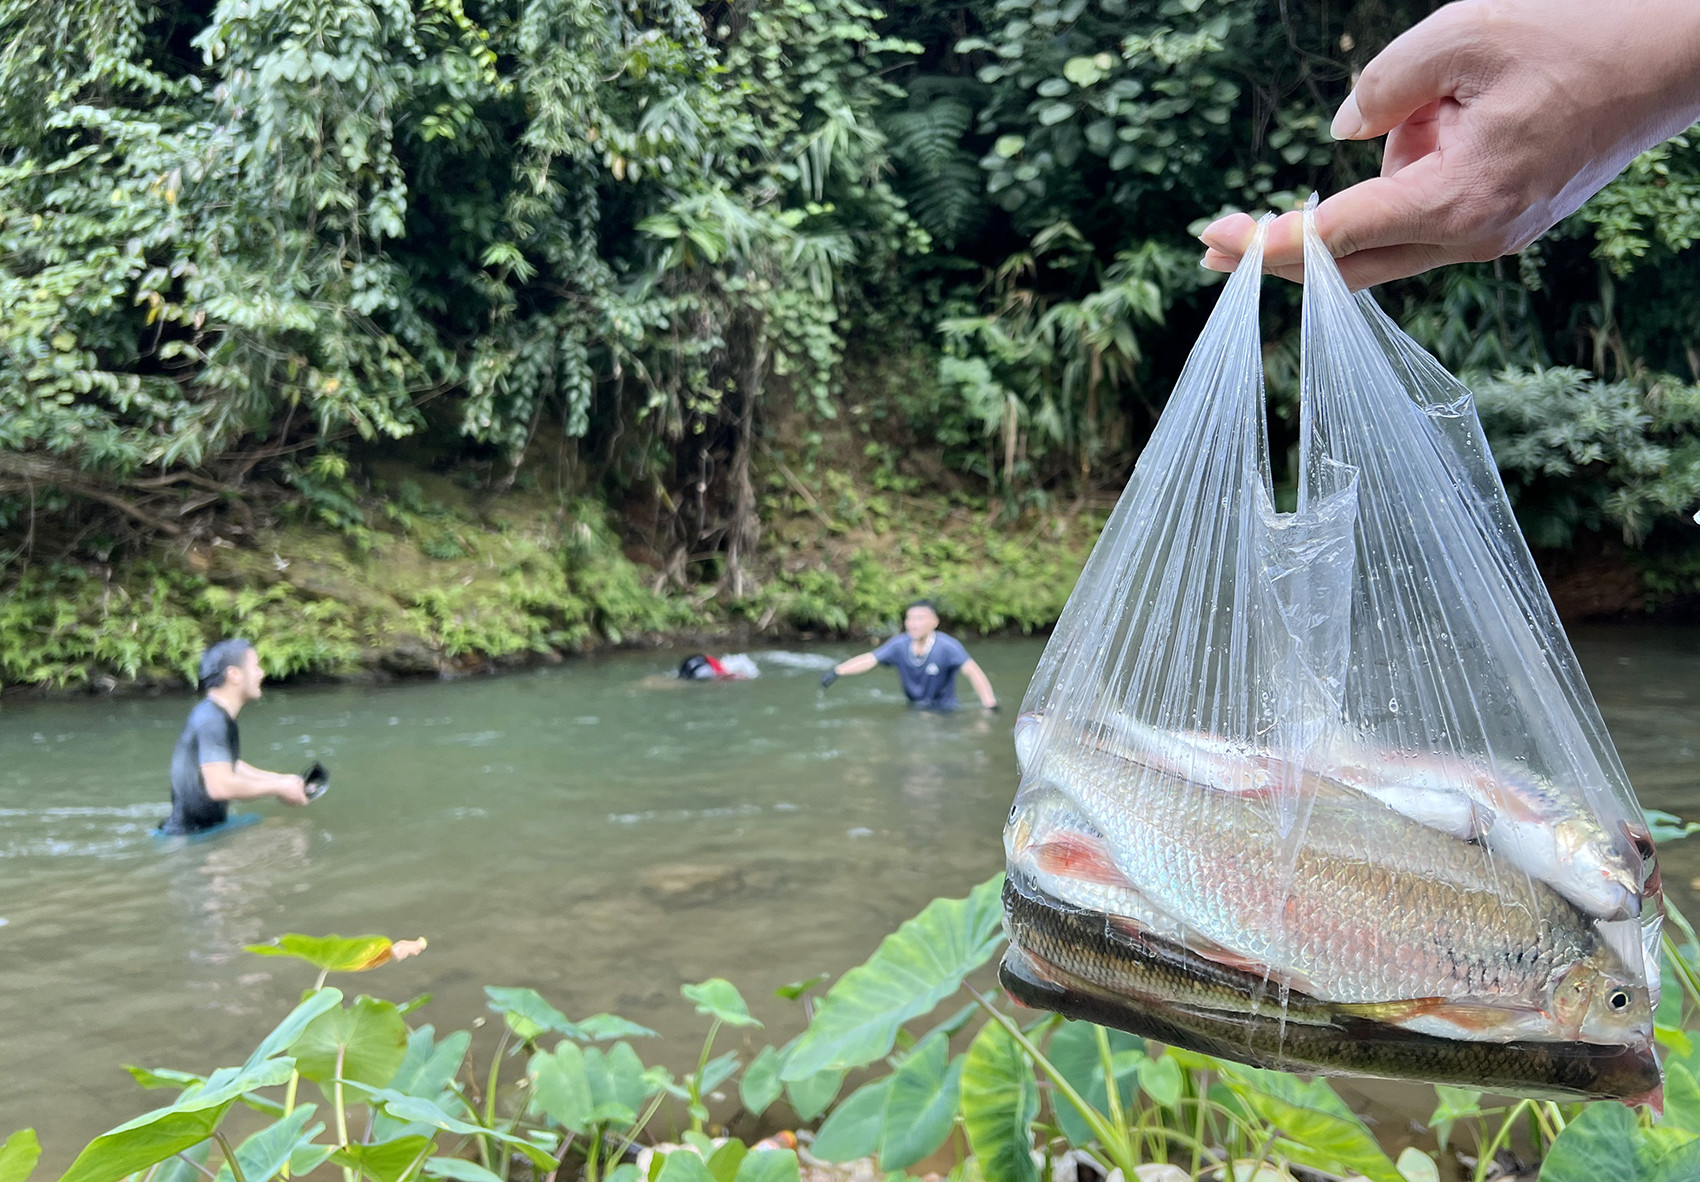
pixel 1000 1100
pixel 915 968
pixel 1583 455
pixel 585 1108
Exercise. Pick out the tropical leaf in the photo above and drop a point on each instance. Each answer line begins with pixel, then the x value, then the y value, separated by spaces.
pixel 853 1129
pixel 914 969
pixel 334 954
pixel 18 1156
pixel 1000 1100
pixel 362 1043
pixel 1322 1132
pixel 921 1104
pixel 720 999
pixel 527 1014
pixel 154 1136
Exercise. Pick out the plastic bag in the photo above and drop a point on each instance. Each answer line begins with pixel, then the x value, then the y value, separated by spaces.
pixel 1325 790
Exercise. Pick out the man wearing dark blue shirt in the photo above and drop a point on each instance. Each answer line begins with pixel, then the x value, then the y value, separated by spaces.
pixel 926 661
pixel 207 769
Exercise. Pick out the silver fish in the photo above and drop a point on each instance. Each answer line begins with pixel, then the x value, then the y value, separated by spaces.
pixel 1361 905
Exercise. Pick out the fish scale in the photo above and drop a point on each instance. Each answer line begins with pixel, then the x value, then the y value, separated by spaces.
pixel 1360 903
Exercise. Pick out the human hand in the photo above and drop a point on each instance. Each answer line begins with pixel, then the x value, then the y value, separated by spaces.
pixel 827 678
pixel 1502 117
pixel 294 790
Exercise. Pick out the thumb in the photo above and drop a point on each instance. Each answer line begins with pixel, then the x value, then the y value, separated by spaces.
pixel 1430 60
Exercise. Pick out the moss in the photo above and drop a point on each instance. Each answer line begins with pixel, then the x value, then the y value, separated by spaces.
pixel 439 579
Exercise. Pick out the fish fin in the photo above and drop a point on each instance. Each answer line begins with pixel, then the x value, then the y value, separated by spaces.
pixel 1075 855
pixel 1460 1015
pixel 1392 1012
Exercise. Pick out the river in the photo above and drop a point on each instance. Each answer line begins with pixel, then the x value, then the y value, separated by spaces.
pixel 594 830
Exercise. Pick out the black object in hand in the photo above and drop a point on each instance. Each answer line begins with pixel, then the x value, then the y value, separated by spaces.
pixel 827 678
pixel 318 780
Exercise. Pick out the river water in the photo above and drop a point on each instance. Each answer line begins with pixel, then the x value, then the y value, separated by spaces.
pixel 594 830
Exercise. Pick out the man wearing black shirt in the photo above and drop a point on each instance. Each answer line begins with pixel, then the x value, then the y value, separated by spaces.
pixel 207 771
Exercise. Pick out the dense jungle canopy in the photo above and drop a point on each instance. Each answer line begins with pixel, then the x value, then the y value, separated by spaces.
pixel 247 245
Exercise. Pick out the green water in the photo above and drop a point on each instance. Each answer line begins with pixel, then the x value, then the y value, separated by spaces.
pixel 593 830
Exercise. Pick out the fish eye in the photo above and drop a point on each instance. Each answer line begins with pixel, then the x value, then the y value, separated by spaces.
pixel 1618 999
pixel 1012 809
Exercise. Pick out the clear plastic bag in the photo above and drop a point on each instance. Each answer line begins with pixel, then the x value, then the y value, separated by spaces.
pixel 1326 790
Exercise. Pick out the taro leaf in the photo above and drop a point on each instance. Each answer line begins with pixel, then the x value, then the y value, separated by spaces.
pixel 720 999
pixel 430 1065
pixel 717 1071
pixel 1456 1104
pixel 267 1151
pixel 760 1086
pixel 1000 1100
pixel 796 989
pixel 1325 1134
pixel 527 1014
pixel 853 1129
pixel 1416 1166
pixel 364 1043
pixel 183 1167
pixel 560 1088
pixel 145 1141
pixel 606 1027
pixel 916 967
pixel 920 1106
pixel 1682 1099
pixel 19 1155
pixel 1666 1155
pixel 335 954
pixel 163 1077
pixel 312 1006
pixel 154 1136
pixel 387 1161
pixel 427 1072
pixel 459 1169
pixel 413 1108
pixel 810 1095
pixel 684 1165
pixel 768 1165
pixel 617 1077
pixel 1074 1052
pixel 1601 1143
pixel 1161 1079
pixel 723 1163
pixel 304 1159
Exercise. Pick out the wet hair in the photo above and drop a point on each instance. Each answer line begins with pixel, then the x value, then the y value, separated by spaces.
pixel 696 668
pixel 219 657
pixel 926 603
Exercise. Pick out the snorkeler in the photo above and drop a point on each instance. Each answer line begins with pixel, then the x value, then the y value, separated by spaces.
pixel 926 661
pixel 207 771
pixel 702 667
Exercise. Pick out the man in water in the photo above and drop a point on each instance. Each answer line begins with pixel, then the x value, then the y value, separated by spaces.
pixel 926 661
pixel 207 771
pixel 702 667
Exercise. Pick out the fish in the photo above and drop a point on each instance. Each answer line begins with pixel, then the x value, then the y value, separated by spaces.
pixel 1361 905
pixel 1070 960
pixel 1546 834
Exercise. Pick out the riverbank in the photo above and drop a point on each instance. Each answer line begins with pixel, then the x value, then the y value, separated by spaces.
pixel 437 579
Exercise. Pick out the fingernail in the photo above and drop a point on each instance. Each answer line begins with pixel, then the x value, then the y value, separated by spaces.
pixel 1348 122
